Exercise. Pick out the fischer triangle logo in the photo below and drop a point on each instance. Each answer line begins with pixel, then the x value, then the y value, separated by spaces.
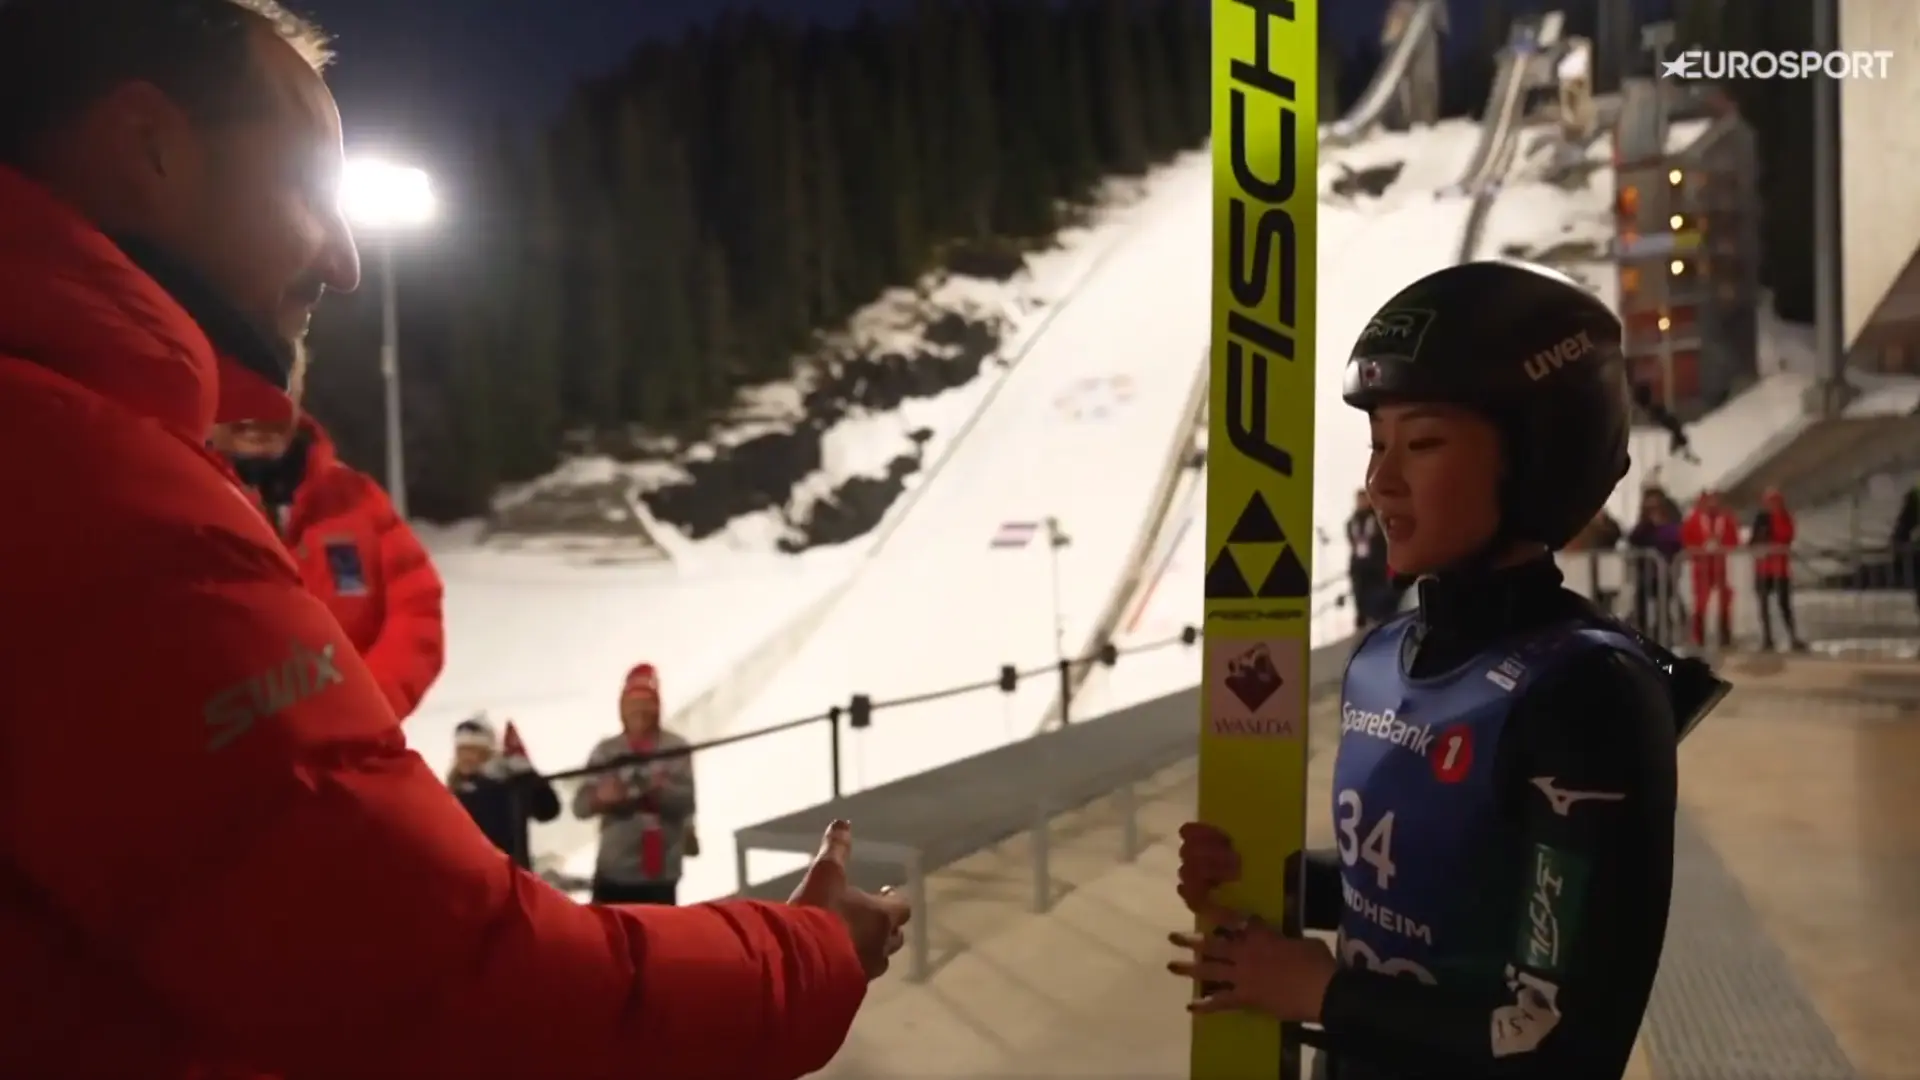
pixel 1257 543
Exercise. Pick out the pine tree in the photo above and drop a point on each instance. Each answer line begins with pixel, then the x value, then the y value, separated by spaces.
pixel 718 329
pixel 973 157
pixel 1118 109
pixel 1159 129
pixel 835 280
pixel 1072 122
pixel 1029 180
pixel 692 217
pixel 1186 29
pixel 539 357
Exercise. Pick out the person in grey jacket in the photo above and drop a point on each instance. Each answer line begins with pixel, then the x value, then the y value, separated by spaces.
pixel 644 808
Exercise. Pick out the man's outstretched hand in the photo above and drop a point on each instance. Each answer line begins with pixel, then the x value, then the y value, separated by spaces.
pixel 874 921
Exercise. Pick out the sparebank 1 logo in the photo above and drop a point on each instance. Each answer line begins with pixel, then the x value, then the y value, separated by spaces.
pixel 1718 65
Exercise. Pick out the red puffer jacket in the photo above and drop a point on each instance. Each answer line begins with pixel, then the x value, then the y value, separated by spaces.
pixel 368 567
pixel 215 846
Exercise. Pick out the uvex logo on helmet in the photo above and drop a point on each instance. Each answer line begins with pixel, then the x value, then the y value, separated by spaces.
pixel 1568 350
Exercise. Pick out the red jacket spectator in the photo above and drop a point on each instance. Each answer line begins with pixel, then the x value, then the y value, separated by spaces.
pixel 1773 528
pixel 1709 532
pixel 354 553
pixel 287 885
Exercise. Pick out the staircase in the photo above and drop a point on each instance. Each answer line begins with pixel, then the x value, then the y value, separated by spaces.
pixel 1829 459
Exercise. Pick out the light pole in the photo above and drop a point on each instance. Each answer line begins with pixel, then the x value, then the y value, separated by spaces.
pixel 1057 539
pixel 1829 260
pixel 383 199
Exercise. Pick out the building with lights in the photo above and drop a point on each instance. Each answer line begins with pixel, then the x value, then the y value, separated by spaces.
pixel 1686 245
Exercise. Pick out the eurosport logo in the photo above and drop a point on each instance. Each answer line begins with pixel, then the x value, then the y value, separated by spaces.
pixel 1723 64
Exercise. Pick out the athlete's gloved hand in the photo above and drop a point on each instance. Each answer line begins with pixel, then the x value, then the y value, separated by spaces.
pixel 1207 862
pixel 1249 965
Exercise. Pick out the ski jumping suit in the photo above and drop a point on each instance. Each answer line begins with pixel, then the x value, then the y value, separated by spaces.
pixel 1504 802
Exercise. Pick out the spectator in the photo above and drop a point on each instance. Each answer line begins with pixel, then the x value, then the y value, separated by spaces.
pixel 497 784
pixel 1708 534
pixel 1371 582
pixel 1773 533
pixel 353 551
pixel 1905 562
pixel 644 807
pixel 288 889
pixel 1655 540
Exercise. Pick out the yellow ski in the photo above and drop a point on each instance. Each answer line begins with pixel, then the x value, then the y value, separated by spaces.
pixel 1253 723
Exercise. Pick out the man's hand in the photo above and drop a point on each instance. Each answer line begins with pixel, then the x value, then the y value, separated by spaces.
pixel 874 921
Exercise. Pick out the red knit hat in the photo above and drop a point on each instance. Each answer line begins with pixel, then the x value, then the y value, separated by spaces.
pixel 644 681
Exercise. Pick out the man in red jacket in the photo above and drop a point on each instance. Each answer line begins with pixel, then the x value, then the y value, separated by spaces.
pixel 1708 533
pixel 288 890
pixel 353 551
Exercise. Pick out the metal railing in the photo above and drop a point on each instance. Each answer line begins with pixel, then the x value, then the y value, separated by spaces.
pixel 841 727
pixel 1840 600
pixel 1823 599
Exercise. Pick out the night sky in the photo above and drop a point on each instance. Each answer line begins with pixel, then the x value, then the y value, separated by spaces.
pixel 412 69
pixel 415 77
pixel 414 73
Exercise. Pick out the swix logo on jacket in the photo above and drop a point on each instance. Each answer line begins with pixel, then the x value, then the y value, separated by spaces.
pixel 1415 802
pixel 266 694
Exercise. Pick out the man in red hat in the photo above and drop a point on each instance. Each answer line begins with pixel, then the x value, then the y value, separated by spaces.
pixel 645 809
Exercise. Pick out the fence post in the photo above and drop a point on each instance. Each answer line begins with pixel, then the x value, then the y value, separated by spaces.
pixel 833 739
pixel 517 822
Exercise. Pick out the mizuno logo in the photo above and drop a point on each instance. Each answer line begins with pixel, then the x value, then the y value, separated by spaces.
pixel 1563 800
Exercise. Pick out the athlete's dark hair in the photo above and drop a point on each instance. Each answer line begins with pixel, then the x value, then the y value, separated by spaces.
pixel 57 57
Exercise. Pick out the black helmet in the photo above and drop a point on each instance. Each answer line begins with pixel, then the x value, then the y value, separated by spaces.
pixel 1531 350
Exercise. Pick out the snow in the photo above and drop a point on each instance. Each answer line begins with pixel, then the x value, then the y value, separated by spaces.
pixel 1884 395
pixel 1432 158
pixel 547 642
pixel 1566 223
pixel 865 443
pixel 1080 430
pixel 934 606
pixel 543 630
pixel 937 607
pixel 1577 64
pixel 1759 420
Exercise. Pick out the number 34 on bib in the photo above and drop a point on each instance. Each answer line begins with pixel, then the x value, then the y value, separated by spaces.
pixel 1375 848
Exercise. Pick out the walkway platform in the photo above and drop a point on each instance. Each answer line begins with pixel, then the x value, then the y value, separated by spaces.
pixel 1794 951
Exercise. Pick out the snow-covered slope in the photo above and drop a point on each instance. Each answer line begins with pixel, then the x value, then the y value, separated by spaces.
pixel 942 607
pixel 546 641
pixel 544 631
pixel 939 607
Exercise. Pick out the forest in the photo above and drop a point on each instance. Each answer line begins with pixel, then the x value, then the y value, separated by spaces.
pixel 694 220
